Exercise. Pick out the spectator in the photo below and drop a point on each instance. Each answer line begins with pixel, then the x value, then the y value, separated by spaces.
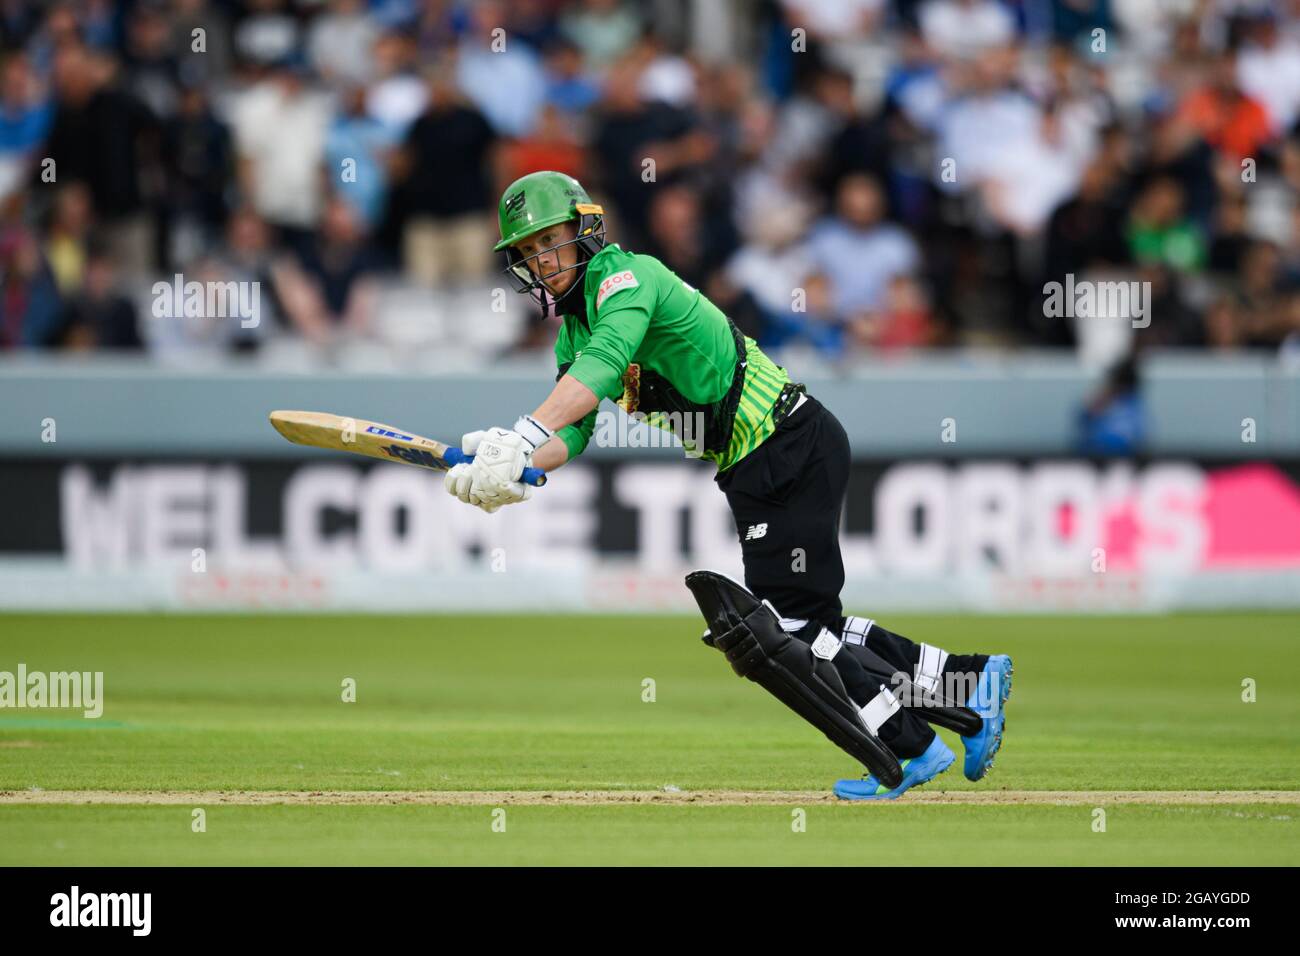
pixel 665 76
pixel 98 22
pixel 1268 71
pixel 1073 21
pixel 915 87
pixel 99 316
pixel 774 270
pixel 1175 151
pixel 279 129
pixel 679 238
pixel 808 122
pixel 569 87
pixel 965 29
pixel 444 167
pixel 641 146
pixel 1260 309
pixel 1174 321
pixel 534 22
pixel 398 94
pixel 859 251
pixel 25 116
pixel 552 145
pixel 340 41
pixel 1086 231
pixel 268 34
pixel 1112 423
pixel 358 150
pixel 19 22
pixel 504 80
pixel 247 255
pixel 66 244
pixel 1021 159
pixel 603 29
pixel 30 307
pixel 201 38
pixel 1230 240
pixel 330 291
pixel 61 30
pixel 199 159
pixel 833 20
pixel 759 183
pixel 105 137
pixel 151 72
pixel 860 144
pixel 904 320
pixel 1235 124
pixel 1159 230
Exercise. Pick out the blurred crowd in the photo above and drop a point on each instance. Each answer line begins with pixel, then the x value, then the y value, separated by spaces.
pixel 848 176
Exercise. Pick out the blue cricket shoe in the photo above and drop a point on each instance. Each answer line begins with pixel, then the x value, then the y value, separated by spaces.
pixel 916 771
pixel 989 701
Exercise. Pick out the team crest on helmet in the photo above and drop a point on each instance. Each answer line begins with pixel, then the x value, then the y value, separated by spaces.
pixel 515 204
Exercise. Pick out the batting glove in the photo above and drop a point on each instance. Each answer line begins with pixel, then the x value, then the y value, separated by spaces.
pixel 500 457
pixel 459 482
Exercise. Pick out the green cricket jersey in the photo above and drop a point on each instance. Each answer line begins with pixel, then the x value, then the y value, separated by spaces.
pixel 655 345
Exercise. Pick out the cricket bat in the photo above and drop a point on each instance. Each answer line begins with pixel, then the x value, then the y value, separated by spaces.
pixel 323 430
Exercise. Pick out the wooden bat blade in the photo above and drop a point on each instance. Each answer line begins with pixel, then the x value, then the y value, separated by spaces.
pixel 375 440
pixel 361 437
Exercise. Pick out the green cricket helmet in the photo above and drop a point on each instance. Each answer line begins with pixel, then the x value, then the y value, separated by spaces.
pixel 531 204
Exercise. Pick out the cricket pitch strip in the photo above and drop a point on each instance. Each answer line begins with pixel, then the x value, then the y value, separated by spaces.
pixel 673 797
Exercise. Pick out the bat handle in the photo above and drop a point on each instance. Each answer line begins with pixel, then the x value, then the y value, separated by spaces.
pixel 531 476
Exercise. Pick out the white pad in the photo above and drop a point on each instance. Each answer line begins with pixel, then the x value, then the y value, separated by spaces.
pixel 879 709
pixel 856 629
pixel 929 668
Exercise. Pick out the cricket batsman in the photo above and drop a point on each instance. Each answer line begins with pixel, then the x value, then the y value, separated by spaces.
pixel 635 333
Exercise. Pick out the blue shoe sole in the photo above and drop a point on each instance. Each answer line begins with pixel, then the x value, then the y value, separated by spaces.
pixel 922 775
pixel 980 761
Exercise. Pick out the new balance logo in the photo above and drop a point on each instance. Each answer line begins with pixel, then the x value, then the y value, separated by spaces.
pixel 756 531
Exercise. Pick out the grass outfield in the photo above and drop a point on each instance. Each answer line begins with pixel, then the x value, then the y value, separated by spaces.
pixel 454 705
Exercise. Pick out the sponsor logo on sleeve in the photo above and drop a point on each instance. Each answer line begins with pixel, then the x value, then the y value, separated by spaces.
pixel 615 283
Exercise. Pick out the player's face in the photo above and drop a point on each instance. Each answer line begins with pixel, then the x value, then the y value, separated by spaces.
pixel 550 260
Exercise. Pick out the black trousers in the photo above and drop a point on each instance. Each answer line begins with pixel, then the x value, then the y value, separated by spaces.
pixel 787 497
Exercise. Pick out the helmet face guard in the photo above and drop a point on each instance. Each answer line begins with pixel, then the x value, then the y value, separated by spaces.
pixel 589 241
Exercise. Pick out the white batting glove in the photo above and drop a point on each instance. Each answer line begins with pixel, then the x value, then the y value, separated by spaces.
pixel 459 482
pixel 500 457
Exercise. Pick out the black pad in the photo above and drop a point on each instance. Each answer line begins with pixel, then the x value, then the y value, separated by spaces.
pixel 750 635
pixel 932 708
